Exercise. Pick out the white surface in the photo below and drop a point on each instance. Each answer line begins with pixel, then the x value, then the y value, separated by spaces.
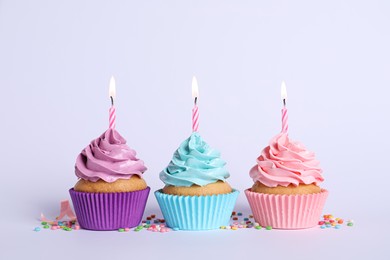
pixel 56 59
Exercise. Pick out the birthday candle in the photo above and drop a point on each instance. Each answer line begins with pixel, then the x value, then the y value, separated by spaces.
pixel 112 111
pixel 195 110
pixel 284 109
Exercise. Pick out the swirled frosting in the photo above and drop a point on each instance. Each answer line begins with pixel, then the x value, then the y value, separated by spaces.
pixel 108 158
pixel 285 162
pixel 194 162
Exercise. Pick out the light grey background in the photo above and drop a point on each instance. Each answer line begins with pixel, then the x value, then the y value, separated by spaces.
pixel 56 58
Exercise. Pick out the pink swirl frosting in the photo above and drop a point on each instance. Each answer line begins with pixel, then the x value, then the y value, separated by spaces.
pixel 285 162
pixel 108 158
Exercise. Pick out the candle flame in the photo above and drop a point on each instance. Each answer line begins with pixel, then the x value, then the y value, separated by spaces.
pixel 112 90
pixel 284 91
pixel 195 90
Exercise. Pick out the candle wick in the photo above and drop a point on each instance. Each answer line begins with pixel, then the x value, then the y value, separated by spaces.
pixel 284 102
pixel 112 101
pixel 196 100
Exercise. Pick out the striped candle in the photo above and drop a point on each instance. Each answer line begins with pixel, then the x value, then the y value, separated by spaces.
pixel 112 117
pixel 195 118
pixel 284 120
pixel 112 111
pixel 195 110
pixel 284 109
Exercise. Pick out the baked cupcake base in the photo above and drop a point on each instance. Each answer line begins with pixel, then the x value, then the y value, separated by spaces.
pixel 287 211
pixel 109 211
pixel 196 212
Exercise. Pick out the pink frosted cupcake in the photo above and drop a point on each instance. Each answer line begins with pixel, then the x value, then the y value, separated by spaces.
pixel 286 192
pixel 110 192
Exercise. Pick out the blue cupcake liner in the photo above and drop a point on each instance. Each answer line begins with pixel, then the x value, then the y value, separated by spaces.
pixel 196 212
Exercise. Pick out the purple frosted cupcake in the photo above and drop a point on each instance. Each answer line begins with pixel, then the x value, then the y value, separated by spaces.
pixel 111 192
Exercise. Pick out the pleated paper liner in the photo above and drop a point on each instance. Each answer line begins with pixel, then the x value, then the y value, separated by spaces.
pixel 197 212
pixel 287 211
pixel 109 211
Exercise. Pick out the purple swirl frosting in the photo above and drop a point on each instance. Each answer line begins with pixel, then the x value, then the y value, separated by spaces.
pixel 108 158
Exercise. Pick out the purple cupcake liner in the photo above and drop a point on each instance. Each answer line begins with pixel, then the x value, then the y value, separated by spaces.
pixel 109 211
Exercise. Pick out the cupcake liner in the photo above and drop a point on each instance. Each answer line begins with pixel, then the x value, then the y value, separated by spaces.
pixel 196 212
pixel 109 211
pixel 287 211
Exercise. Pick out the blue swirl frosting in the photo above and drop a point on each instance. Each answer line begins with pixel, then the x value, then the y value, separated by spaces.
pixel 194 162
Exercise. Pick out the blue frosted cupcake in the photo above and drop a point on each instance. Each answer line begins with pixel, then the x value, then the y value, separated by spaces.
pixel 196 195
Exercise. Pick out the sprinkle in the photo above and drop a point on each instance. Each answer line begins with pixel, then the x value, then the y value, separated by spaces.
pixel 121 230
pixel 37 229
pixel 268 227
pixel 76 227
pixel 175 228
pixel 239 214
pixel 250 216
pixel 323 226
pixel 148 218
pixel 337 227
pixel 258 227
pixel 321 223
pixel 233 213
pixel 246 219
pixel 235 218
pixel 222 227
pixel 340 221
pixel 43 223
pixel 153 216
pixel 256 224
pixel 228 227
pixel 243 222
pixel 350 224
pixel 234 228
pixel 46 226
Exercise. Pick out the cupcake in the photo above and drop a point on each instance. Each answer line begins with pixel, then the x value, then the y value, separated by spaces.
pixel 196 195
pixel 286 192
pixel 110 192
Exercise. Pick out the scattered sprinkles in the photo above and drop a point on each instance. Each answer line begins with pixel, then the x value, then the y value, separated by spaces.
pixel 329 221
pixel 154 224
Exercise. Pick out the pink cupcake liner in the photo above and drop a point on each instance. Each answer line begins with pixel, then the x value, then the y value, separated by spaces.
pixel 287 211
pixel 109 211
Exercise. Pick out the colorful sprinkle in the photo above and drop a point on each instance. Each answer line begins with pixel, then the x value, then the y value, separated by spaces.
pixel 37 229
pixel 258 227
pixel 268 228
